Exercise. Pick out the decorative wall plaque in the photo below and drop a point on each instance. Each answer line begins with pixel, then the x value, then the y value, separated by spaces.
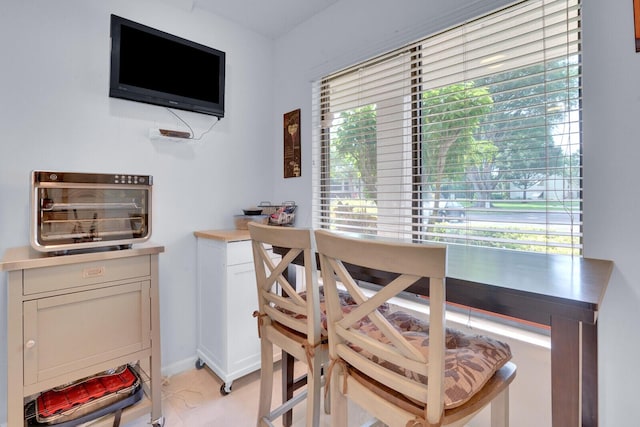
pixel 636 21
pixel 292 144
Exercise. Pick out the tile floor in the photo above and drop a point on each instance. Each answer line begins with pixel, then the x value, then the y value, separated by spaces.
pixel 193 399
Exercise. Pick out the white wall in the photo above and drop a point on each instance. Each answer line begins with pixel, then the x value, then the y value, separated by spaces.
pixel 611 155
pixel 353 30
pixel 55 114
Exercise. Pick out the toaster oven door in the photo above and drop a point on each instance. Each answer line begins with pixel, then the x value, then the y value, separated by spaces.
pixel 68 216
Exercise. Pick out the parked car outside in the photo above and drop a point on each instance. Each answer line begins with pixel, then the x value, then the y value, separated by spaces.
pixel 452 210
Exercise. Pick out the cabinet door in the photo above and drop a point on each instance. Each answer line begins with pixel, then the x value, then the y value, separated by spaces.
pixel 244 344
pixel 69 332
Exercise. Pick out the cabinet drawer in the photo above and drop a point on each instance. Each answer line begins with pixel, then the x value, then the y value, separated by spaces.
pixel 239 252
pixel 74 275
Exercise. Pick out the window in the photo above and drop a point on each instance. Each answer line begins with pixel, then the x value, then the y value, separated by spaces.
pixel 470 136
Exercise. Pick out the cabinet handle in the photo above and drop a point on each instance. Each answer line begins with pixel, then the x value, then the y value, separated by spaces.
pixel 30 344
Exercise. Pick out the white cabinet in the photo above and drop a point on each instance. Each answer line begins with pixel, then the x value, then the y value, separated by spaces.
pixel 72 316
pixel 227 332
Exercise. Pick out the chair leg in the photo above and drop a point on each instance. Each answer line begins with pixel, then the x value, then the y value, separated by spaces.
pixel 339 416
pixel 500 410
pixel 266 379
pixel 314 391
pixel 288 382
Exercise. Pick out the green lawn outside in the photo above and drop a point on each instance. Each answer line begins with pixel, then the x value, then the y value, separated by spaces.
pixel 531 238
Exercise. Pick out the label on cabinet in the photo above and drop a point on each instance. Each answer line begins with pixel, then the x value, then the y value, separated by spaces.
pixel 93 272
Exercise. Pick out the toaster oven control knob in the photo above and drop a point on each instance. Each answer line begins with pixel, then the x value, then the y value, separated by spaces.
pixel 30 344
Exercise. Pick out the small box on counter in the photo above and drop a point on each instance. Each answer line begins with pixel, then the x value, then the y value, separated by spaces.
pixel 241 221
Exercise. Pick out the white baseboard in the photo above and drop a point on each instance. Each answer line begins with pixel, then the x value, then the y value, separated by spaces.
pixel 178 367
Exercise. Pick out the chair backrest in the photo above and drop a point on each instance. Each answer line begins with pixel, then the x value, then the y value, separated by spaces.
pixel 278 299
pixel 410 262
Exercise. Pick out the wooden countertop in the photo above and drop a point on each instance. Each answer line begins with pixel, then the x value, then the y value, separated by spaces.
pixel 224 235
pixel 26 257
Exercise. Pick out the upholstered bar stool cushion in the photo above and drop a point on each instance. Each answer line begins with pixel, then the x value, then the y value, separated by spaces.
pixel 497 382
pixel 345 300
pixel 470 360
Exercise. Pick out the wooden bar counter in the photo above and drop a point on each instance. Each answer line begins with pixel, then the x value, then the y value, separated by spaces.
pixel 559 291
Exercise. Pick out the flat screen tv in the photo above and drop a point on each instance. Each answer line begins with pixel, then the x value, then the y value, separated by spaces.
pixel 149 65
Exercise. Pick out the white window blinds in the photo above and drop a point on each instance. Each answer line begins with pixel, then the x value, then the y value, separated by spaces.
pixel 470 136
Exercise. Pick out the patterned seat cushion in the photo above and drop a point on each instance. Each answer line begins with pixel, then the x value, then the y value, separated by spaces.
pixel 345 301
pixel 470 360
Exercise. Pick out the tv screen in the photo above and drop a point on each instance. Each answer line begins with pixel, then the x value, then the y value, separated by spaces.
pixel 149 65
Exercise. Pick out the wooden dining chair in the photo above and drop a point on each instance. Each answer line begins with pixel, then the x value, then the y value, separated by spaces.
pixel 403 370
pixel 287 318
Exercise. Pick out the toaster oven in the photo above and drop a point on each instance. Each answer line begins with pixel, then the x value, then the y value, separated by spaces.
pixel 78 211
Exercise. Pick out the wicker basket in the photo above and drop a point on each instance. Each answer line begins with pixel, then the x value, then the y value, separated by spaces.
pixel 282 214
